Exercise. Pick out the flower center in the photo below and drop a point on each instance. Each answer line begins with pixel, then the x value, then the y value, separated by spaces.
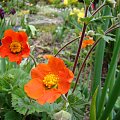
pixel 15 47
pixel 50 80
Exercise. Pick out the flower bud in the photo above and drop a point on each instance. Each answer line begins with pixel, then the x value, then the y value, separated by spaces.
pixel 62 115
pixel 111 3
pixel 91 33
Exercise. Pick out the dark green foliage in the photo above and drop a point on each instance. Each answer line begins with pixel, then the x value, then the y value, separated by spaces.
pixel 12 115
pixel 77 106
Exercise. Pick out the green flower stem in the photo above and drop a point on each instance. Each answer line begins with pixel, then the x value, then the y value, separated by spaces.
pixel 35 63
pixel 64 98
pixel 67 45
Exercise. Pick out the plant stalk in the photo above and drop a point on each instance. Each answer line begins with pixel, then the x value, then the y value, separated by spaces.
pixel 35 63
pixel 83 64
pixel 97 10
pixel 80 42
pixel 66 45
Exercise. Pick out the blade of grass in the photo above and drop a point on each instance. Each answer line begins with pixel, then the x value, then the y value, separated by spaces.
pixel 110 72
pixel 93 106
pixel 99 55
pixel 113 97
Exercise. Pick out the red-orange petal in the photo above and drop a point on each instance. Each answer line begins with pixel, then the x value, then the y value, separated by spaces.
pixel 23 36
pixel 90 42
pixel 66 78
pixel 26 51
pixel 34 88
pixel 6 41
pixel 14 57
pixel 4 52
pixel 56 64
pixel 49 96
pixel 9 37
pixel 11 34
pixel 40 71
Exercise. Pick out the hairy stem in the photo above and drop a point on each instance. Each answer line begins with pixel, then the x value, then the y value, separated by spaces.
pixel 79 48
pixel 97 10
pixel 83 64
pixel 66 45
pixel 114 25
pixel 35 63
pixel 110 30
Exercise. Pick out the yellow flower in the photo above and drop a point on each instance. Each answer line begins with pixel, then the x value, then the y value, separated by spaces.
pixel 75 11
pixel 80 14
pixel 65 2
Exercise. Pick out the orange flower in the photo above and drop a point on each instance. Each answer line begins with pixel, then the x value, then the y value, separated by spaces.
pixel 14 46
pixel 87 42
pixel 49 81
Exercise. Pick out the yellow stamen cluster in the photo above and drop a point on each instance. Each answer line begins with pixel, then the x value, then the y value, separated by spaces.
pixel 50 80
pixel 15 47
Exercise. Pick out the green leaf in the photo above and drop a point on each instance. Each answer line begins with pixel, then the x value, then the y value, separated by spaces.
pixel 111 70
pixel 32 29
pixel 93 106
pixel 12 79
pixel 98 19
pixel 117 104
pixel 112 99
pixel 87 2
pixel 108 38
pixel 22 104
pixel 76 106
pixel 12 115
pixel 99 56
pixel 86 19
pixel 2 99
